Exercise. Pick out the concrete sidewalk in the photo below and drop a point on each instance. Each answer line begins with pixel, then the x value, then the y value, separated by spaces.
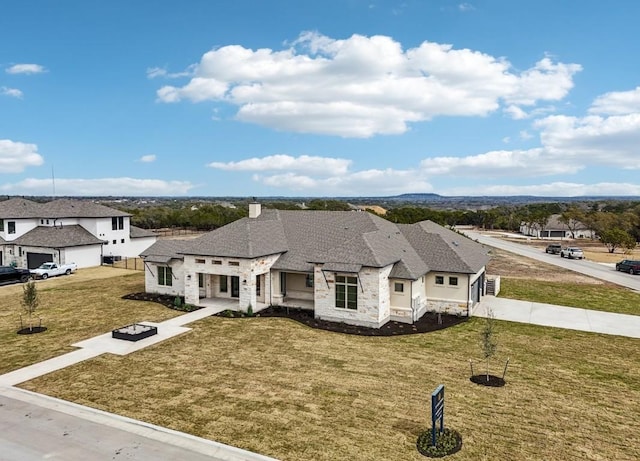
pixel 571 318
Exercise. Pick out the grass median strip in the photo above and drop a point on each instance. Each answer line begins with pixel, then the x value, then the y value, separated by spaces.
pixel 603 297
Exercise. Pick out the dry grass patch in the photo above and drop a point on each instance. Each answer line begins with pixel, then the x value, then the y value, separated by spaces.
pixel 72 308
pixel 288 391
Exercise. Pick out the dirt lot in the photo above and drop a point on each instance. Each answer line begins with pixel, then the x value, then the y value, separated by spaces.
pixel 510 265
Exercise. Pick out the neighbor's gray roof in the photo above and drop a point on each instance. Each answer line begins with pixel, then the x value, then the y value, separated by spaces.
pixel 137 232
pixel 554 223
pixel 340 239
pixel 165 250
pixel 57 237
pixel 62 208
pixel 20 208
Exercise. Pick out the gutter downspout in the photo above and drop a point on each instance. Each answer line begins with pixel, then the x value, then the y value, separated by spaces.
pixel 468 295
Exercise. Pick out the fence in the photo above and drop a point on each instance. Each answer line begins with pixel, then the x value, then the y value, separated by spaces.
pixel 134 264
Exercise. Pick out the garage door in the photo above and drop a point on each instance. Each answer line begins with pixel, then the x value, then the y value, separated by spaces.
pixel 35 259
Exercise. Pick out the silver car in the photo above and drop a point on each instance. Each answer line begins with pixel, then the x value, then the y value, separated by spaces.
pixel 572 253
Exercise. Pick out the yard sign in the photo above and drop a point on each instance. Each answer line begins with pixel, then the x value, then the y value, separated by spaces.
pixel 437 411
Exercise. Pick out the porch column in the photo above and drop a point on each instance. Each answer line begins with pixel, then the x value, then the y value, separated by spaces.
pixel 191 288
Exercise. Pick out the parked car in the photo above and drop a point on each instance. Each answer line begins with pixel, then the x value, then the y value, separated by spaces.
pixel 47 270
pixel 572 253
pixel 10 274
pixel 554 249
pixel 628 265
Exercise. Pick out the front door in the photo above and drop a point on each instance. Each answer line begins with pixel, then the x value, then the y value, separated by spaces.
pixel 235 286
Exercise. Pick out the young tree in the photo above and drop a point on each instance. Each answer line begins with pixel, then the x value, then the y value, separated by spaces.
pixel 30 300
pixel 488 341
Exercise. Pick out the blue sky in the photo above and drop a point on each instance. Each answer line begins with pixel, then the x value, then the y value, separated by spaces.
pixel 331 98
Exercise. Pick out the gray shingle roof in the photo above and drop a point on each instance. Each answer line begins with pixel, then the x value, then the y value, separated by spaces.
pixel 340 239
pixel 57 237
pixel 67 208
pixel 165 250
pixel 20 208
pixel 137 232
pixel 445 250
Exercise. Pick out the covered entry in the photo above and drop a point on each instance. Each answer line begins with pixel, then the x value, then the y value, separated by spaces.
pixel 36 259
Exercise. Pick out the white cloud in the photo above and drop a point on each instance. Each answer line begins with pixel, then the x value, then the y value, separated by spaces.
pixel 303 163
pixel 328 176
pixel 555 189
pixel 16 156
pixel 13 92
pixel 155 72
pixel 363 86
pixel 611 141
pixel 148 158
pixel 464 7
pixel 368 182
pixel 26 69
pixel 515 112
pixel 524 134
pixel 101 186
pixel 501 163
pixel 617 103
pixel 545 81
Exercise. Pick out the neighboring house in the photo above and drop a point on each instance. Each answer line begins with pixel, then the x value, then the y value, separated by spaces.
pixel 65 231
pixel 556 229
pixel 346 266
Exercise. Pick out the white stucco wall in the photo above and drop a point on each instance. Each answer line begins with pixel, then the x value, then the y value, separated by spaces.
pixel 447 298
pixel 22 227
pixel 84 256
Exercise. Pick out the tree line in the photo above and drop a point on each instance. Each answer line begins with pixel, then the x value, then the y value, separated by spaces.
pixel 615 223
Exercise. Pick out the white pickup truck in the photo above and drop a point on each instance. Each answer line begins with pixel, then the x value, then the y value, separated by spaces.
pixel 47 270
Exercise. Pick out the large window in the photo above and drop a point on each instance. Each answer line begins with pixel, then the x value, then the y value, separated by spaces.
pixel 200 280
pixel 223 284
pixel 439 280
pixel 346 292
pixel 11 227
pixel 165 276
pixel 117 223
pixel 1 225
pixel 398 287
pixel 308 281
pixel 453 281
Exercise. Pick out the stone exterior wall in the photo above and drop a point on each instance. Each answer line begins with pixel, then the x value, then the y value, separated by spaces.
pixel 245 269
pixel 373 297
pixel 151 279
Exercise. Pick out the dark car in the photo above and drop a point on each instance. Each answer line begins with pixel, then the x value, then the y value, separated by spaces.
pixel 628 265
pixel 554 249
pixel 10 274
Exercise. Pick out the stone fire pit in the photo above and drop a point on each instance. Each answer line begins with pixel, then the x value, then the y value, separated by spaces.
pixel 134 332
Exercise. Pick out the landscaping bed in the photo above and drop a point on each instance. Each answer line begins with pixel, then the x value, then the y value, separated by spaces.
pixel 428 322
pixel 165 300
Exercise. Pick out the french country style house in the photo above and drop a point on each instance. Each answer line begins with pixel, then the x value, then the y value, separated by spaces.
pixel 346 266
pixel 65 231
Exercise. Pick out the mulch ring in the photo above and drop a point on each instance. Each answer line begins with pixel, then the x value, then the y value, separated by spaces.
pixel 490 380
pixel 428 322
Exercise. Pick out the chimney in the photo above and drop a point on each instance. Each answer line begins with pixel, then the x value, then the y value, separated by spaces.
pixel 254 209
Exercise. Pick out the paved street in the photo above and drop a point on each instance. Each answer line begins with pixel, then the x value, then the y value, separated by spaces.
pixel 592 269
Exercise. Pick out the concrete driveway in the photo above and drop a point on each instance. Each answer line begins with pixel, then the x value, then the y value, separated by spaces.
pixel 571 318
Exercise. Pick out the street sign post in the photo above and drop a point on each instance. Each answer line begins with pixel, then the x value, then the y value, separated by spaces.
pixel 437 411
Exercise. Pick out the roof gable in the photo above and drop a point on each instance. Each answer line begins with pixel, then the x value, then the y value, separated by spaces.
pixel 57 237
